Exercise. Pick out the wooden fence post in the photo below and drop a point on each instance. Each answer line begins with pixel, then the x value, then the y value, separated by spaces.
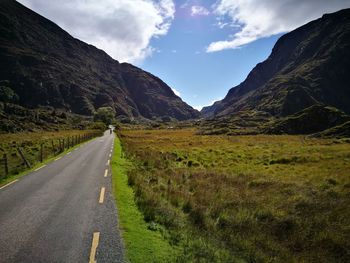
pixel 6 165
pixel 41 153
pixel 53 147
pixel 23 158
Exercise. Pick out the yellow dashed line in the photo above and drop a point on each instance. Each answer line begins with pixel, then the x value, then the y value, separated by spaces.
pixel 106 173
pixel 102 195
pixel 94 245
pixel 2 187
pixel 37 169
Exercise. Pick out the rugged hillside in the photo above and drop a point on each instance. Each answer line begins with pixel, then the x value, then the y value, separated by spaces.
pixel 307 66
pixel 42 65
pixel 314 119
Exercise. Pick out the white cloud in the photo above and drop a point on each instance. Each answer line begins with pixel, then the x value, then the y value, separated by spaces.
pixel 198 108
pixel 122 28
pixel 263 18
pixel 177 93
pixel 198 10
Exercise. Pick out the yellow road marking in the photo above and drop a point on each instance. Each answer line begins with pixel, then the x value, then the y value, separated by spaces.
pixel 108 162
pixel 69 153
pixel 58 158
pixel 110 155
pixel 94 245
pixel 37 169
pixel 106 173
pixel 102 195
pixel 8 184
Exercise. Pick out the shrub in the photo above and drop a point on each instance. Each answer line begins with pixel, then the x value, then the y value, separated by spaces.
pixel 105 115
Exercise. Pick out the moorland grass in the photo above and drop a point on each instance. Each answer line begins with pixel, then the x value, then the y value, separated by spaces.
pixel 144 242
pixel 244 198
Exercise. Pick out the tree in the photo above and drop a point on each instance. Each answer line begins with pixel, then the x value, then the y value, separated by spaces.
pixel 105 114
pixel 8 95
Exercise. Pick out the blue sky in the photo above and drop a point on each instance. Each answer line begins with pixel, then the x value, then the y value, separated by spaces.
pixel 180 59
pixel 200 48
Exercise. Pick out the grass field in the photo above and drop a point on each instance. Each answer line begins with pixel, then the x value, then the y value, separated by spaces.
pixel 243 198
pixel 30 145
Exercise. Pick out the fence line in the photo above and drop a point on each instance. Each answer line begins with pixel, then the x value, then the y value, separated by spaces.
pixel 45 151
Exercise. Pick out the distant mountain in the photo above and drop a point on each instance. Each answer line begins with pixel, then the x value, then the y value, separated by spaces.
pixel 308 66
pixel 42 65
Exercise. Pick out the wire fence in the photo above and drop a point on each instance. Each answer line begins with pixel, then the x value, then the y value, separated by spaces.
pixel 20 156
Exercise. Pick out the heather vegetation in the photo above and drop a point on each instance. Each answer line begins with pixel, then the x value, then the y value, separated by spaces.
pixel 259 198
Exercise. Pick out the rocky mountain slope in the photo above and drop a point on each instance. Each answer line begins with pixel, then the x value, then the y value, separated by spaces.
pixel 307 66
pixel 42 65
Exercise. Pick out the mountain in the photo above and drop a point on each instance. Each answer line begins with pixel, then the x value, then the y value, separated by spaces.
pixel 42 65
pixel 308 66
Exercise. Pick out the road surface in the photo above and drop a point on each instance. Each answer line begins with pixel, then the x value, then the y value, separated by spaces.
pixel 63 212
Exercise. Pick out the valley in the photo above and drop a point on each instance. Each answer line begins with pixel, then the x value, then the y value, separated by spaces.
pixel 102 161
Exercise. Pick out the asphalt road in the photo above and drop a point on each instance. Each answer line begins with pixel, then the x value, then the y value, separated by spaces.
pixel 60 213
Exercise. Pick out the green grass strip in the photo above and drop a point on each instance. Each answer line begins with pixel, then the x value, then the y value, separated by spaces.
pixel 142 244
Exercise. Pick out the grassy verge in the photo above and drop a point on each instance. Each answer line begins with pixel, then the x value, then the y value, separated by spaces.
pixel 9 179
pixel 142 244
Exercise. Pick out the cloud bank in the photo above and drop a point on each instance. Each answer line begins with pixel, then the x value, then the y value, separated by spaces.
pixel 122 28
pixel 263 18
pixel 197 10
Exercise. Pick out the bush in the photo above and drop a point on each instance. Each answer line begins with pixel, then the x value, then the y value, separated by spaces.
pixel 97 125
pixel 105 115
pixel 8 95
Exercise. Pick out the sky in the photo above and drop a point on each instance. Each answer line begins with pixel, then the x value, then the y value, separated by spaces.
pixel 200 48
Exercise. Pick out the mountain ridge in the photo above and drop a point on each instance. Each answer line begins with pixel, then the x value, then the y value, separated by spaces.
pixel 43 65
pixel 300 72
